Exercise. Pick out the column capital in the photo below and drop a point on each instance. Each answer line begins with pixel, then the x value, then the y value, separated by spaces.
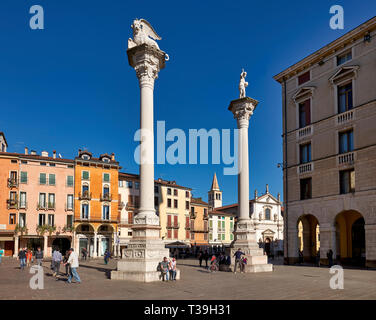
pixel 243 110
pixel 147 61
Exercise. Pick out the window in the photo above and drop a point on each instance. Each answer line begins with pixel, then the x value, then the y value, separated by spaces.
pixel 210 224
pixel 22 199
pixel 345 100
pixel 106 190
pixel 223 236
pixel 70 202
pixel 42 200
pixel 42 178
pixel 175 233
pixel 175 203
pixel 85 175
pixel 137 201
pixel 187 205
pixel 51 201
pixel 347 181
pixel 346 141
pixel 70 181
pixel 210 236
pixel 176 221
pixel 187 235
pixel 106 212
pixel 306 188
pixel 305 113
pixel 344 57
pixel 69 220
pixel 231 236
pixel 85 211
pixel 267 214
pixel 305 153
pixel 106 177
pixel 130 184
pixel 137 185
pixel 121 183
pixel 22 219
pixel 168 203
pixel 130 200
pixel 169 191
pixel 304 78
pixel 51 219
pixel 232 224
pixel 175 192
pixel 52 164
pixel 12 218
pixel 156 201
pixel 51 179
pixel 156 189
pixel 23 177
pixel 43 163
pixel 169 234
pixel 187 194
pixel 42 219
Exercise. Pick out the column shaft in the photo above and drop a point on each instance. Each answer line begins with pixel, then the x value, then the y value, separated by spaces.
pixel 243 191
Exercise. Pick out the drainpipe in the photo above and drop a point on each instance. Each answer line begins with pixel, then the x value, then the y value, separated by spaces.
pixel 285 171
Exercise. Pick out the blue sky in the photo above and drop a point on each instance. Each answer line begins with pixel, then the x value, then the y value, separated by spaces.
pixel 69 86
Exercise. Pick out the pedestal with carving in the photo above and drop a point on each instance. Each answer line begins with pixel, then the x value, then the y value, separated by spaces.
pixel 145 250
pixel 245 234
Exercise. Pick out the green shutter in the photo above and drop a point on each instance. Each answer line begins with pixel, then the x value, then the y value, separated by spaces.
pixel 106 177
pixel 42 178
pixel 51 179
pixel 85 174
pixel 211 223
pixel 231 226
pixel 219 224
pixel 23 177
pixel 70 181
pixel 223 224
pixel 231 236
pixel 223 236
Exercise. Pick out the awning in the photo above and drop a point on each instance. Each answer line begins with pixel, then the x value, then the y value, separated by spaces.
pixel 6 238
pixel 177 244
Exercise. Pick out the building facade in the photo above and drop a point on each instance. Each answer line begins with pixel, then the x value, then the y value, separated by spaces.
pixel 199 223
pixel 96 205
pixel 221 228
pixel 329 137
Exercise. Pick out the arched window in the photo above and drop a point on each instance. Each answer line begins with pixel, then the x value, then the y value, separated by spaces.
pixel 267 214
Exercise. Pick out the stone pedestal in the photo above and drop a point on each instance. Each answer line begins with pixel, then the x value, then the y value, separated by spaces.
pixel 145 250
pixel 245 234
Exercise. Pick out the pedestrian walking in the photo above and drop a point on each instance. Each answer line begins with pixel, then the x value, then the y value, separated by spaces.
pixel 56 260
pixel 66 264
pixel 22 258
pixel 200 257
pixel 329 255
pixel 1 254
pixel 29 257
pixel 39 256
pixel 238 254
pixel 73 262
pixel 173 269
pixel 107 256
pixel 206 258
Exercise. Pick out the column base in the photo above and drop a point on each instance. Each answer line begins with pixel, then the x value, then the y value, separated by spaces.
pixel 140 261
pixel 246 241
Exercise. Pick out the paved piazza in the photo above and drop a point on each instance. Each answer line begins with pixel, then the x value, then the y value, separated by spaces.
pixel 285 282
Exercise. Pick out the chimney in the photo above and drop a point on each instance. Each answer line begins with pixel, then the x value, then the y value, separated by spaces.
pixel 279 197
pixel 33 152
pixel 113 156
pixel 44 154
pixel 54 154
pixel 256 194
pixel 79 151
pixel 267 188
pixel 26 150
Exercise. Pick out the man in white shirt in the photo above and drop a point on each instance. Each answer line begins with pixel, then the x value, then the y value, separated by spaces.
pixel 73 261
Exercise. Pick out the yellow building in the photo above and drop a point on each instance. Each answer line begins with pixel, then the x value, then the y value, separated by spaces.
pixel 199 227
pixel 96 203
pixel 221 228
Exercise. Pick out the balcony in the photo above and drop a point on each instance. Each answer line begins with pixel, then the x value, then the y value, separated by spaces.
pixel 346 158
pixel 51 206
pixel 12 183
pixel 188 227
pixel 173 225
pixel 345 117
pixel 305 168
pixel 12 204
pixel 106 197
pixel 304 132
pixel 41 206
pixel 86 195
pixel 193 215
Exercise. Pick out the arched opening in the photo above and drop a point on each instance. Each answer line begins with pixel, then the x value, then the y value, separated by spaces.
pixel 267 246
pixel 85 234
pixel 63 244
pixel 350 236
pixel 308 238
pixel 105 239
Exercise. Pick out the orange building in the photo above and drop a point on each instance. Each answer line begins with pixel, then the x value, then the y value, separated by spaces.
pixel 8 202
pixel 96 214
pixel 199 223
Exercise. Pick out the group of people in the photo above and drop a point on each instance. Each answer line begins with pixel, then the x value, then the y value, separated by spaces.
pixel 167 267
pixel 69 260
pixel 221 262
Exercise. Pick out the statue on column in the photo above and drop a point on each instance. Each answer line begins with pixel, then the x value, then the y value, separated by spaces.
pixel 242 84
pixel 143 32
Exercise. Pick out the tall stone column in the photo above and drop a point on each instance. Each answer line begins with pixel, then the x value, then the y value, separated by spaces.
pixel 45 246
pixel 245 234
pixel 95 245
pixel 15 254
pixel 146 249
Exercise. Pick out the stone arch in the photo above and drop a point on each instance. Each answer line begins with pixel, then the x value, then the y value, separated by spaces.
pixel 308 237
pixel 350 237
